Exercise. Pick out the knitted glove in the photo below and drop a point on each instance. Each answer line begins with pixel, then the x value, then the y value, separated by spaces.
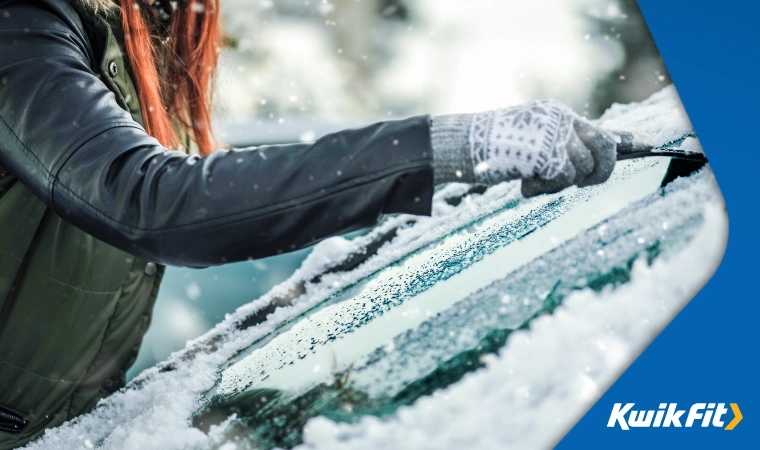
pixel 543 143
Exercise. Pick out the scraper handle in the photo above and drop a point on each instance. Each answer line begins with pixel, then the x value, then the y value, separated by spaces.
pixel 629 148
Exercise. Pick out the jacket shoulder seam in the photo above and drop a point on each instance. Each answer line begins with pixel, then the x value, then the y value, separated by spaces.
pixel 23 146
pixel 72 149
pixel 95 132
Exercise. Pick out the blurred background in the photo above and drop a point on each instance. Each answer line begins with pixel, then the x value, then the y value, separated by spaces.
pixel 294 70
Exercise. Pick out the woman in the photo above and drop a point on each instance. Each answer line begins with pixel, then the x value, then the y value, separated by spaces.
pixel 108 171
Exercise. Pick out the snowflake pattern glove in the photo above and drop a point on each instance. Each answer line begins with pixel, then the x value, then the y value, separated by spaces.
pixel 520 142
pixel 543 143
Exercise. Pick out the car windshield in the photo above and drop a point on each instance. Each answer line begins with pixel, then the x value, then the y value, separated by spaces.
pixel 495 303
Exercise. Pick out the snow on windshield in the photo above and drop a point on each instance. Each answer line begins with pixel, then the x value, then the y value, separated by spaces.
pixel 528 392
pixel 544 377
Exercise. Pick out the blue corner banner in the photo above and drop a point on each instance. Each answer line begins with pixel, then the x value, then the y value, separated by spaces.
pixel 708 354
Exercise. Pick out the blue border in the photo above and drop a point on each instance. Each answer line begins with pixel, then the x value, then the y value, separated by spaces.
pixel 709 352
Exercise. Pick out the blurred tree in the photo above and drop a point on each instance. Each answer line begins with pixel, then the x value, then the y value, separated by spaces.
pixel 394 9
pixel 643 71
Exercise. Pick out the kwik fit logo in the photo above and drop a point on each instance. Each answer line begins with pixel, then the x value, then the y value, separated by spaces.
pixel 668 415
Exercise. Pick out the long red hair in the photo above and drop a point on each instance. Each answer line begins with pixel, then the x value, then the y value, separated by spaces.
pixel 183 91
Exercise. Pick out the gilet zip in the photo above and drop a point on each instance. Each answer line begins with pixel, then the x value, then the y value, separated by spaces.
pixel 12 421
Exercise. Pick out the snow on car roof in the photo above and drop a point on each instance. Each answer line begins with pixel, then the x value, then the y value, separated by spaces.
pixel 565 289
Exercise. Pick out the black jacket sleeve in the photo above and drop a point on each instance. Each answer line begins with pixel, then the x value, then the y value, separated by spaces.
pixel 64 136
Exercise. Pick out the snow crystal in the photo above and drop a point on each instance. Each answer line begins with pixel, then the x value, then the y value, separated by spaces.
pixel 192 290
pixel 307 136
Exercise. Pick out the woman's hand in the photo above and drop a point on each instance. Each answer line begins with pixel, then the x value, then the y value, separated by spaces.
pixel 544 143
